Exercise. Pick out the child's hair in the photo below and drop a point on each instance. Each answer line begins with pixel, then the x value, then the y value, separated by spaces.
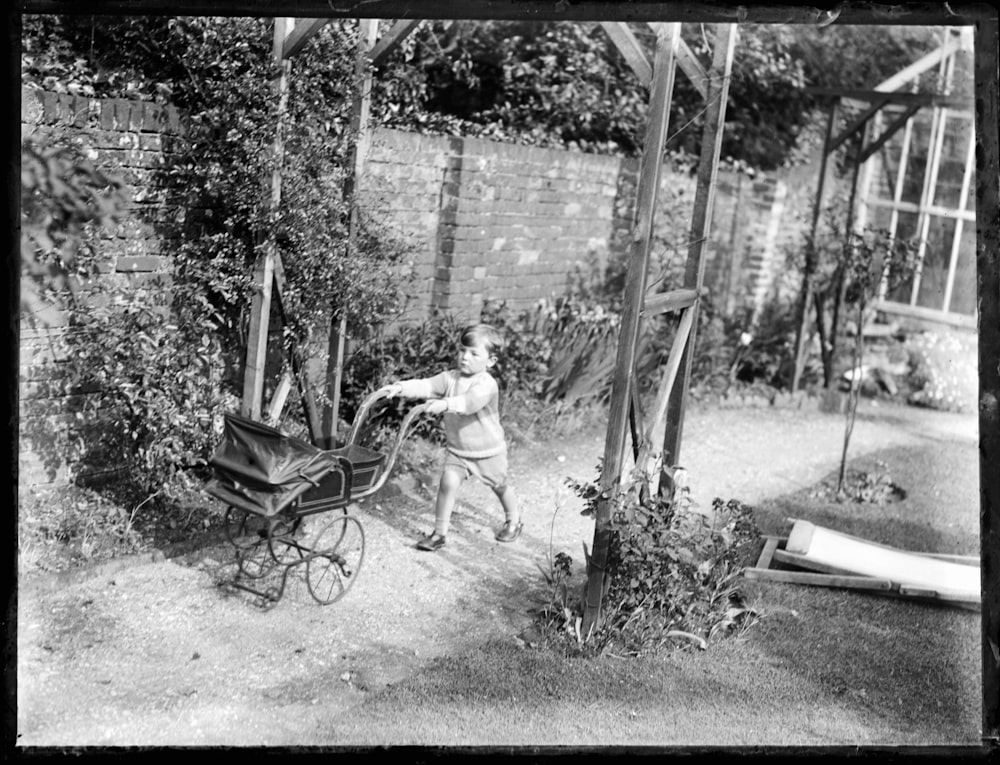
pixel 485 333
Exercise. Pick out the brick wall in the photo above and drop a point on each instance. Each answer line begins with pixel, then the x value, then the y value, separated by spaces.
pixel 132 140
pixel 490 221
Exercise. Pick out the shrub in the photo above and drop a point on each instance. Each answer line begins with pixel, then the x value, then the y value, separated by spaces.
pixel 943 371
pixel 673 570
pixel 157 386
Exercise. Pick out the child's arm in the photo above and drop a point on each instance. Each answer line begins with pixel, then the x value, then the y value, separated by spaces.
pixel 430 387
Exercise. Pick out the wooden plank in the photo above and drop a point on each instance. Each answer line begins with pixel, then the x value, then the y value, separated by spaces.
pixel 303 31
pixel 630 48
pixel 858 123
pixel 888 133
pixel 390 41
pixel 260 310
pixel 819 580
pixel 690 65
pixel 706 11
pixel 987 63
pixel 803 561
pixel 809 269
pixel 767 554
pixel 277 404
pixel 918 67
pixel 670 374
pixel 881 96
pixel 701 229
pixel 360 109
pixel 674 300
pixel 661 94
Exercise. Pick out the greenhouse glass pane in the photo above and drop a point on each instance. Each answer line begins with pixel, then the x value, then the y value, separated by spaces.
pixel 934 269
pixel 906 228
pixel 963 295
pixel 951 168
pixel 916 163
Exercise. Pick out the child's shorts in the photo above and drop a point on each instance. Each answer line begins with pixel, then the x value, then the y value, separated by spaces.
pixel 492 471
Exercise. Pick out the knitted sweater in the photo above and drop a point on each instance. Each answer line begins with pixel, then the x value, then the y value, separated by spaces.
pixel 472 421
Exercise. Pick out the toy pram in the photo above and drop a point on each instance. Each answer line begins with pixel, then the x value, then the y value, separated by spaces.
pixel 271 482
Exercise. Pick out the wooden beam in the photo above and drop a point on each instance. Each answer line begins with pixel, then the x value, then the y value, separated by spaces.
pixel 924 99
pixel 859 122
pixel 303 31
pixel 651 164
pixel 921 65
pixel 656 428
pixel 360 108
pixel 809 270
pixel 674 300
pixel 631 49
pixel 260 309
pixel 888 133
pixel 690 65
pixel 987 63
pixel 701 229
pixel 390 41
pixel 705 11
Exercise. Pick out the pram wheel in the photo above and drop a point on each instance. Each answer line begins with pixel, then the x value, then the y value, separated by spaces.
pixel 336 554
pixel 261 543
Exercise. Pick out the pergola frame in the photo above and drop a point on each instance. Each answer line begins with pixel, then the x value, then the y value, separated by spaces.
pixel 981 17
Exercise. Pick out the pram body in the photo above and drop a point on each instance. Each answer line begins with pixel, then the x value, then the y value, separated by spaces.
pixel 271 482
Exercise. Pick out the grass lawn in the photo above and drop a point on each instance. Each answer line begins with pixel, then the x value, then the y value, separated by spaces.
pixel 821 667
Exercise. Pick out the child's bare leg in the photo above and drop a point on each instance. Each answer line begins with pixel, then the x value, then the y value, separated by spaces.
pixel 447 493
pixel 508 500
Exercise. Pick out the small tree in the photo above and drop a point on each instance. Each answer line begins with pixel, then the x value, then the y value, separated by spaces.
pixel 870 259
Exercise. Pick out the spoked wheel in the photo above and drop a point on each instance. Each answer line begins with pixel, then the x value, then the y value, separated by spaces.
pixel 260 542
pixel 335 561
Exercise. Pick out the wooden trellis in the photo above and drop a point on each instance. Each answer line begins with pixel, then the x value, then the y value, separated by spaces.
pixel 626 415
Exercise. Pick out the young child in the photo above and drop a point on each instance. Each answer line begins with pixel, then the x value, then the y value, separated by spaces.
pixel 476 446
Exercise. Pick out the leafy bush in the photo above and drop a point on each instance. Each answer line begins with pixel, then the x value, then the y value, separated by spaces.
pixel 673 571
pixel 943 371
pixel 157 381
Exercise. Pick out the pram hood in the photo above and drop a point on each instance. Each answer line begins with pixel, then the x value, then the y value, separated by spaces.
pixel 262 470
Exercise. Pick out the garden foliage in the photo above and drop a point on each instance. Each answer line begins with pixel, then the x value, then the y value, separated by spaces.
pixel 673 570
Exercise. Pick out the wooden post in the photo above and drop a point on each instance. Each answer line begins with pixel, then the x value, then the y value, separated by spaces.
pixel 367 35
pixel 988 281
pixel 253 373
pixel 701 229
pixel 664 69
pixel 810 265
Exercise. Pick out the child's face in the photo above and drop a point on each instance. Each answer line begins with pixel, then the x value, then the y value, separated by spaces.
pixel 473 359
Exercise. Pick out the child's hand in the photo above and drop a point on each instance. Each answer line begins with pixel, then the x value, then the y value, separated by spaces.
pixel 391 390
pixel 437 406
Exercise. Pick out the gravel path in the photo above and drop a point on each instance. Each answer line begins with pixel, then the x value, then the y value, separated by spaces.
pixel 161 654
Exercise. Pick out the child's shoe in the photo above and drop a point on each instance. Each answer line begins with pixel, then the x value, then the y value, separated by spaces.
pixel 509 532
pixel 431 542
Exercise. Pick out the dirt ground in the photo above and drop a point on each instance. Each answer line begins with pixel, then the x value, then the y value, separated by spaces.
pixel 161 654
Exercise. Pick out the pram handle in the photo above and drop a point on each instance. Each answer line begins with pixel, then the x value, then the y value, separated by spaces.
pixel 362 414
pixel 396 444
